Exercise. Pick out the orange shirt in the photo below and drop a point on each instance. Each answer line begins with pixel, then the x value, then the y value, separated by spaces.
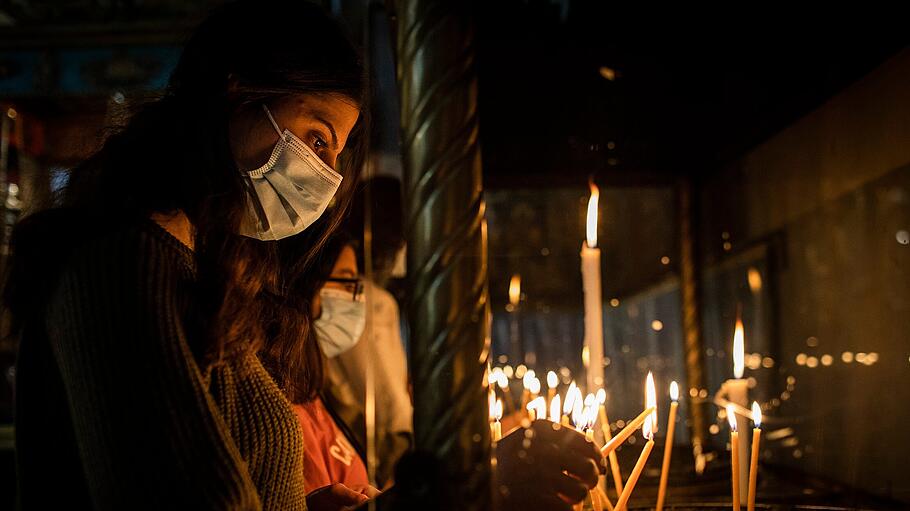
pixel 328 456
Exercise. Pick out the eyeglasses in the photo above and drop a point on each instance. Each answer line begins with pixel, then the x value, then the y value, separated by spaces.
pixel 352 285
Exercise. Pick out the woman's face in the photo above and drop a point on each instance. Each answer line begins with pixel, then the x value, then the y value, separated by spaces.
pixel 345 268
pixel 322 121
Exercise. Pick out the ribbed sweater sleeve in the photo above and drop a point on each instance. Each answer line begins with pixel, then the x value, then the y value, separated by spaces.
pixel 148 432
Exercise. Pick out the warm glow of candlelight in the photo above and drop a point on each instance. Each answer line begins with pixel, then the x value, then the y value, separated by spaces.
pixel 674 391
pixel 570 398
pixel 527 378
pixel 515 290
pixel 534 387
pixel 497 410
pixel 585 357
pixel 578 409
pixel 731 416
pixel 552 381
pixel 601 396
pixel 649 427
pixel 539 406
pixel 502 380
pixel 590 400
pixel 739 349
pixel 592 216
pixel 756 414
pixel 555 409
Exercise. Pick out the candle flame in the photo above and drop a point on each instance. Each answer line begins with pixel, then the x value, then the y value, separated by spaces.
pixel 534 387
pixel 578 409
pixel 515 290
pixel 649 427
pixel 601 396
pixel 674 391
pixel 590 400
pixel 731 416
pixel 756 414
pixel 552 381
pixel 493 376
pixel 491 402
pixel 570 398
pixel 738 349
pixel 539 405
pixel 497 410
pixel 585 356
pixel 555 409
pixel 592 216
pixel 502 380
pixel 527 378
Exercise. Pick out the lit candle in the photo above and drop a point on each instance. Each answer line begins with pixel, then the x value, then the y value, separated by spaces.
pixel 513 308
pixel 668 447
pixel 534 387
pixel 734 455
pixel 753 465
pixel 608 435
pixel 571 395
pixel 496 426
pixel 526 385
pixel 537 409
pixel 625 432
pixel 552 381
pixel 648 429
pixel 737 392
pixel 503 382
pixel 590 273
pixel 555 409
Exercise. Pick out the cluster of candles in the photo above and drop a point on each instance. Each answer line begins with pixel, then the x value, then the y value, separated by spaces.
pixel 585 412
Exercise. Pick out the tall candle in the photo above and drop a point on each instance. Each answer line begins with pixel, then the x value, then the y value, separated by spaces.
pixel 648 429
pixel 608 435
pixel 497 425
pixel 753 465
pixel 552 381
pixel 590 273
pixel 668 447
pixel 555 409
pixel 737 391
pixel 734 455
pixel 514 304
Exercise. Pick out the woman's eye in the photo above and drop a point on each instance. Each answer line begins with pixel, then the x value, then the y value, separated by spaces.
pixel 319 143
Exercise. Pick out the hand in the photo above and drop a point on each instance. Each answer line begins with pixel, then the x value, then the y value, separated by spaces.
pixel 370 491
pixel 335 497
pixel 545 467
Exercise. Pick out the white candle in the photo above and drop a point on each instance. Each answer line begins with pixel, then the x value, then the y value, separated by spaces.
pixel 668 447
pixel 736 391
pixel 591 283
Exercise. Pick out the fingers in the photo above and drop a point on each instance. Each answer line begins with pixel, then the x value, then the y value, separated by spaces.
pixel 555 461
pixel 572 489
pixel 366 489
pixel 333 497
pixel 553 503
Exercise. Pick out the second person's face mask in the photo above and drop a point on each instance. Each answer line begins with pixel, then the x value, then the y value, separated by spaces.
pixel 293 189
pixel 342 322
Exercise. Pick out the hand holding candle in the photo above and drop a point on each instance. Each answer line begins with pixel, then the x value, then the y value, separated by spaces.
pixel 668 447
pixel 753 466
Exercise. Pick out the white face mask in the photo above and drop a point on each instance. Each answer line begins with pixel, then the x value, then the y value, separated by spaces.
pixel 342 322
pixel 293 189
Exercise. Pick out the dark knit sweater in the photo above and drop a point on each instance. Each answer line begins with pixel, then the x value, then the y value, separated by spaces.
pixel 113 411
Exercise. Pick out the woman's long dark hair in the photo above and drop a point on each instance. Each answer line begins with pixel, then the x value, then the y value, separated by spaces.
pixel 174 155
pixel 302 284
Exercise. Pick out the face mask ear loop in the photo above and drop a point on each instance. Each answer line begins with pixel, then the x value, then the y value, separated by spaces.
pixel 272 120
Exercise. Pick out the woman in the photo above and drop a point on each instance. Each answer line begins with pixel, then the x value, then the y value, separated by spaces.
pixel 140 299
pixel 338 304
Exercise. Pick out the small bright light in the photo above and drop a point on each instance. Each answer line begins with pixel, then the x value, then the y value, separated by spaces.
pixel 650 425
pixel 674 391
pixel 585 356
pixel 497 410
pixel 754 278
pixel 801 359
pixel 534 386
pixel 590 400
pixel 727 246
pixel 756 414
pixel 812 362
pixel 767 362
pixel 570 398
pixel 592 216
pixel 812 342
pixel 664 260
pixel 521 371
pixel 552 380
pixel 601 396
pixel 503 380
pixel 739 349
pixel 555 409
pixel 515 290
pixel 847 357
pixel 608 73
pixel 657 325
pixel 827 360
pixel 11 113
pixel 731 417
pixel 861 357
pixel 508 371
pixel 614 302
